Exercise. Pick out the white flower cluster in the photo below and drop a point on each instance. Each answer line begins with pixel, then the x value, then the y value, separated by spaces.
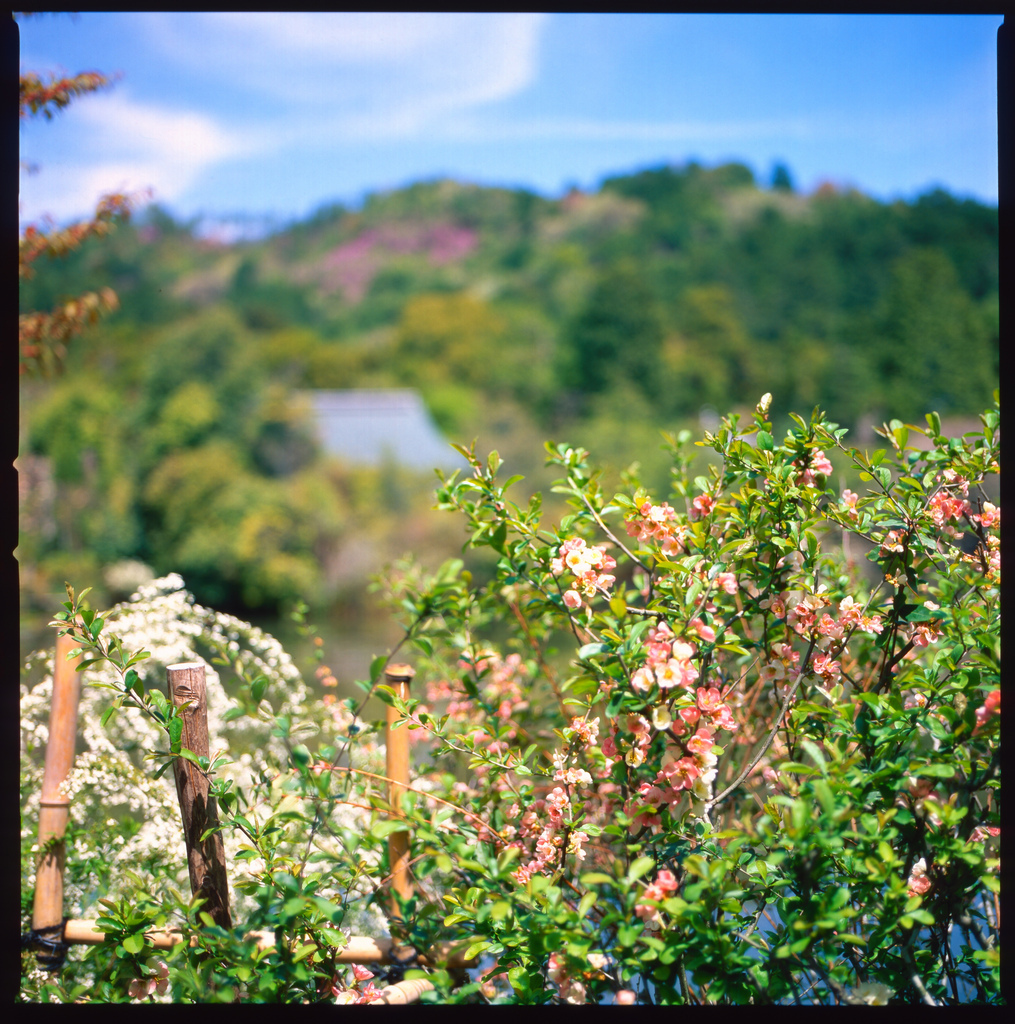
pixel 130 820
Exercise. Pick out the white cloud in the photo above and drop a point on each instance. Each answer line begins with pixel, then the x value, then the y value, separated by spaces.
pixel 373 74
pixel 119 144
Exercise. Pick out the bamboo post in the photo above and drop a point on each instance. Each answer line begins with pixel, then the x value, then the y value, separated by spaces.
pixel 206 861
pixel 398 678
pixel 54 812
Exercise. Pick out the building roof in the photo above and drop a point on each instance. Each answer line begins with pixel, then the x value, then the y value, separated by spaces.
pixel 370 426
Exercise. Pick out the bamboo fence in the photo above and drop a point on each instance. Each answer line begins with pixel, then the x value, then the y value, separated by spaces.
pixel 52 934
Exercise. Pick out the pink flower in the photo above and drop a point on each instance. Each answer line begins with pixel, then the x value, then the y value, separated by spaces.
pixel 990 516
pixel 680 774
pixel 708 700
pixel 576 843
pixel 701 742
pixel 141 988
pixel 825 667
pixel 666 881
pixel 820 463
pixel 625 997
pixel 676 672
pixel 707 633
pixel 892 544
pixel 918 881
pixel 572 599
pixel 361 973
pixel 573 992
pixel 651 794
pixel 727 581
pixel 642 679
pixel 703 505
pixel 724 719
pixel 924 634
pixel 991 706
pixel 983 832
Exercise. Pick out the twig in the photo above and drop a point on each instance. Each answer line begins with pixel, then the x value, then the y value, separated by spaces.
pixel 421 792
pixel 609 533
pixel 771 736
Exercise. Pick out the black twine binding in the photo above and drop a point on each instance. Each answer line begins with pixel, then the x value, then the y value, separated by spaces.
pixel 51 950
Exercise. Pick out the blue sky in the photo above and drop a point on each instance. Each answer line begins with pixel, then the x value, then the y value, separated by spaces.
pixel 223 114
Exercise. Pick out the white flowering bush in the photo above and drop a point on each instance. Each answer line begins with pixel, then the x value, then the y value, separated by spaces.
pixel 125 835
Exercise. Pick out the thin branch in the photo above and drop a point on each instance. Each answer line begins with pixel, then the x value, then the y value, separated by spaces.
pixel 771 736
pixel 609 533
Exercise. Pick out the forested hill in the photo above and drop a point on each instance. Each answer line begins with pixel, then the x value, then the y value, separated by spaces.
pixel 605 315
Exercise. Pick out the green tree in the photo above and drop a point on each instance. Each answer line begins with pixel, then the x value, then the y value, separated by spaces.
pixel 782 180
pixel 930 342
pixel 712 361
pixel 616 335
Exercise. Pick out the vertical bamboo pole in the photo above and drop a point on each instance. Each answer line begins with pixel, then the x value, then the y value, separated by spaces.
pixel 398 678
pixel 206 861
pixel 47 910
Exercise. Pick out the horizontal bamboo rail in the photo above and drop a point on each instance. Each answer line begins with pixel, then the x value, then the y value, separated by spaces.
pixel 360 949
pixel 404 991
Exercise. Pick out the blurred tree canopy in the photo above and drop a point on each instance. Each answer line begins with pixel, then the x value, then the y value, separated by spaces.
pixel 177 435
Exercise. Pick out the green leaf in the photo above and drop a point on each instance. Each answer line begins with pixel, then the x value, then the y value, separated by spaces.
pixel 639 867
pixel 934 771
pixel 597 878
pixel 257 688
pixel 765 441
pixel 383 828
pixel 589 649
pixel 134 943
pixel 175 734
pixel 132 682
pixel 476 948
pixel 377 667
pixel 815 751
pixel 498 537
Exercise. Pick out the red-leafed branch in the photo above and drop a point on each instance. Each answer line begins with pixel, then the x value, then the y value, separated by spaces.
pixel 33 243
pixel 46 98
pixel 42 337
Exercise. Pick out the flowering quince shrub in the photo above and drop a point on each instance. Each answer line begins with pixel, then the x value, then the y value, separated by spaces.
pixel 706 757
pixel 677 749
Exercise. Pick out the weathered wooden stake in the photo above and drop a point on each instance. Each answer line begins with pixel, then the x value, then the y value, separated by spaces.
pixel 398 678
pixel 206 861
pixel 47 910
